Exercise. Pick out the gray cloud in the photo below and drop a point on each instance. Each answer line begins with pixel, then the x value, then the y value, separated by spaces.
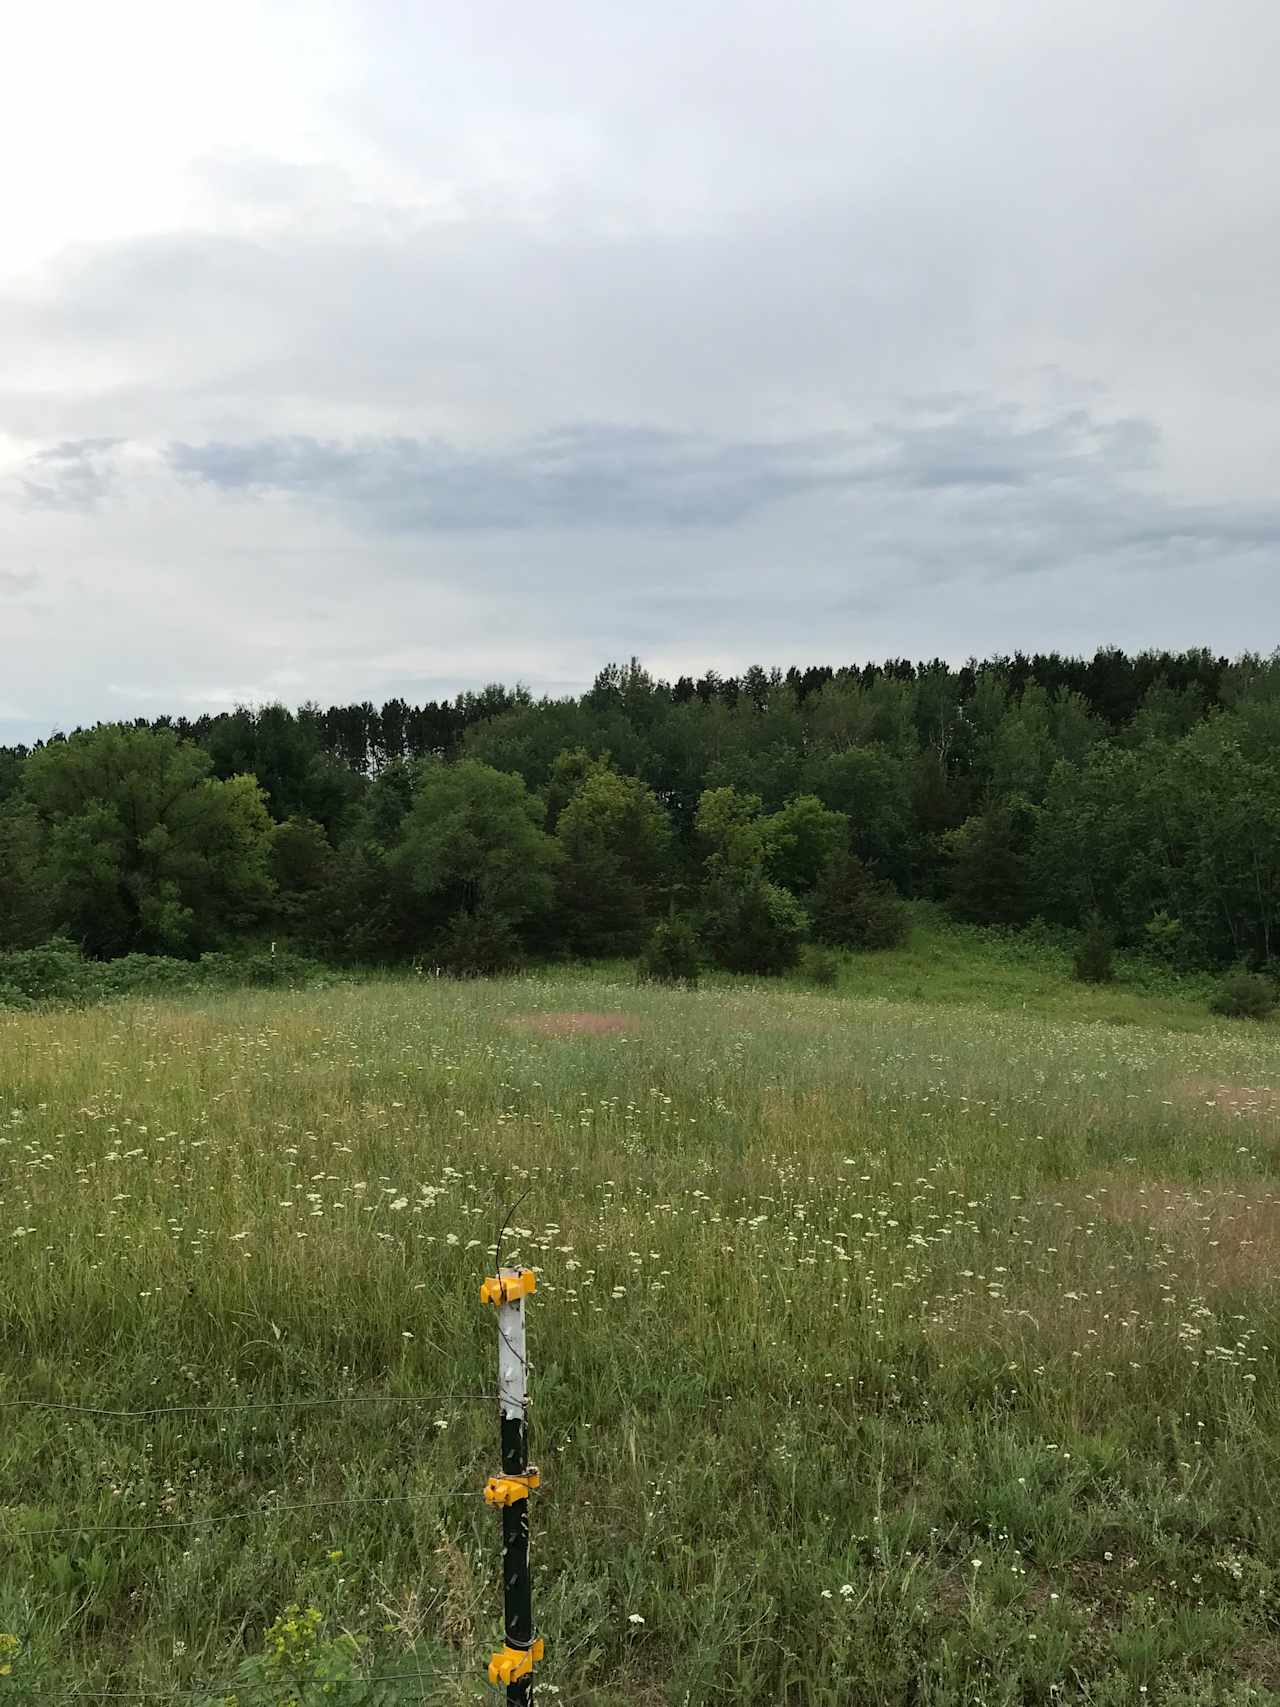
pixel 73 475
pixel 1017 491
pixel 593 477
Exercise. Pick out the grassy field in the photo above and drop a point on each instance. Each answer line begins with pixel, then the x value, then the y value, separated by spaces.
pixel 913 1342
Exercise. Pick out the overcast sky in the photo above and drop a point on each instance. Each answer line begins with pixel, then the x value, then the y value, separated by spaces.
pixel 391 347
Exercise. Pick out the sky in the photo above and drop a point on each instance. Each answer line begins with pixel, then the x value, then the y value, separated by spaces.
pixel 351 350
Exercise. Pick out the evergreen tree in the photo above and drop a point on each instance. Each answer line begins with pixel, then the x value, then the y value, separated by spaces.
pixel 1092 961
pixel 752 925
pixel 852 908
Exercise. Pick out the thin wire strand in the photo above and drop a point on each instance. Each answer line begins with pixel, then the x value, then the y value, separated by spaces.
pixel 230 1686
pixel 502 1230
pixel 520 1358
pixel 248 1405
pixel 240 1516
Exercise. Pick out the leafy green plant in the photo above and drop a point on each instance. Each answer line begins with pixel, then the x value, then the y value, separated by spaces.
pixel 1244 995
pixel 299 1665
pixel 55 971
pixel 21 1677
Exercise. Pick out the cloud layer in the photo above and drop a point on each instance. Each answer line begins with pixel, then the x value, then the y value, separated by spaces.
pixel 469 343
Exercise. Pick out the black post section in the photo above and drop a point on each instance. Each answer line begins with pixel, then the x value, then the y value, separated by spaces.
pixel 512 1669
pixel 517 1596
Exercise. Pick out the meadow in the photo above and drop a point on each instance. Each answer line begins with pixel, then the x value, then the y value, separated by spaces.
pixel 911 1342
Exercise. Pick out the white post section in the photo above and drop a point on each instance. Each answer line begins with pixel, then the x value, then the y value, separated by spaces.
pixel 513 1362
pixel 513 1666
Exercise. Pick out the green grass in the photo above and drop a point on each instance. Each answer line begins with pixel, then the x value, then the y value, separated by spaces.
pixel 943 962
pixel 886 1349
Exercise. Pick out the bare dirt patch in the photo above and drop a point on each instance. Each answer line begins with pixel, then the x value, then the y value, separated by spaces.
pixel 573 1024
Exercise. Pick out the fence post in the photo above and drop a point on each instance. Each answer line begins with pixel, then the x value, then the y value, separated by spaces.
pixel 513 1665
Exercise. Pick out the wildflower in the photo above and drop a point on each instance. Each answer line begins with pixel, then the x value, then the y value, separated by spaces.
pixel 634 1618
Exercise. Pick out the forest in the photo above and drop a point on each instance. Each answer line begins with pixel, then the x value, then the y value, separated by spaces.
pixel 724 820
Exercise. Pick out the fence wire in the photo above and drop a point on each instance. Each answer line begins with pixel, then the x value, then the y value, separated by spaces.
pixel 241 1516
pixel 211 1691
pixel 247 1405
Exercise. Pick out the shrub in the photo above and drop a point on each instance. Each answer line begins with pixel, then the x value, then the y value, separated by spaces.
pixel 1092 962
pixel 754 926
pixel 852 908
pixel 818 965
pixel 262 969
pixel 673 954
pixel 478 945
pixel 56 971
pixel 139 974
pixel 1244 995
pixel 301 1662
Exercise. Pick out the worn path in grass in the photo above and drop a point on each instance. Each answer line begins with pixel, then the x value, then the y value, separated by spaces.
pixel 883 1350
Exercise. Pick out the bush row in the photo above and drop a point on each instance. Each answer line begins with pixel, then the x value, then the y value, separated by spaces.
pixel 57 972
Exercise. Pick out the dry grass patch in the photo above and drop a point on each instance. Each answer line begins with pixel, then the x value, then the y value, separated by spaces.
pixel 1230 1235
pixel 1259 1103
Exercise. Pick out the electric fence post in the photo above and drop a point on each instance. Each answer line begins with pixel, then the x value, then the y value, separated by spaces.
pixel 513 1665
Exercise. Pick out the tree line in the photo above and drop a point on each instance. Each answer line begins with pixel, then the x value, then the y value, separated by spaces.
pixel 740 816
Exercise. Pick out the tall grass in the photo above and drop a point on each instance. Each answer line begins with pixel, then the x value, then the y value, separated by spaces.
pixel 883 1351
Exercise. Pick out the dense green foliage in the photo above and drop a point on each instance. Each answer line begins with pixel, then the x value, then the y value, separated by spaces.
pixel 57 972
pixel 140 848
pixel 1244 995
pixel 1137 796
